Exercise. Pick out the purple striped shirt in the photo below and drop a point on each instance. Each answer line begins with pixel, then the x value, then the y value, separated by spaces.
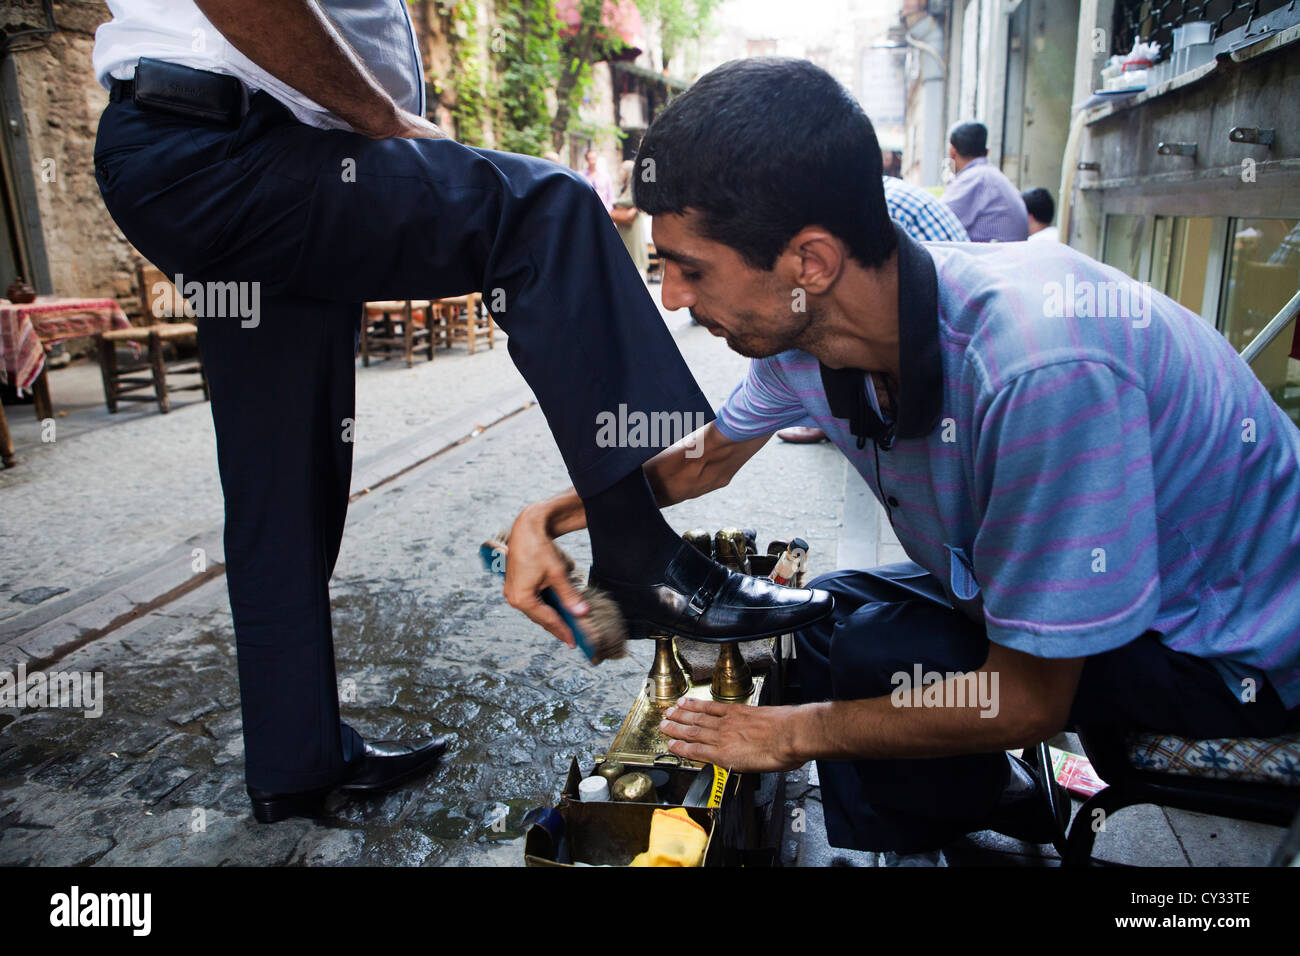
pixel 987 204
pixel 1104 465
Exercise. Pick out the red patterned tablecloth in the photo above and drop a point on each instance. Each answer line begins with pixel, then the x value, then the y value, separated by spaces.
pixel 26 329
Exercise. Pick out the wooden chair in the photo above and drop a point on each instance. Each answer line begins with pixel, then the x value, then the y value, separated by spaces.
pixel 160 302
pixel 392 328
pixel 465 319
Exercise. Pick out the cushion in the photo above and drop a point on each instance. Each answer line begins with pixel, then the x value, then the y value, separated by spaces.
pixel 1273 760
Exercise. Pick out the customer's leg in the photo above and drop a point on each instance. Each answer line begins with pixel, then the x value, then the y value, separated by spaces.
pixel 338 216
pixel 282 400
pixel 878 630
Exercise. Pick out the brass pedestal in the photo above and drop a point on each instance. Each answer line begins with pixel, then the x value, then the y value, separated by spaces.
pixel 639 742
pixel 667 680
pixel 732 678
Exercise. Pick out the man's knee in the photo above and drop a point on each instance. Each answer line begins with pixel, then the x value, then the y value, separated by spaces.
pixel 834 581
pixel 859 652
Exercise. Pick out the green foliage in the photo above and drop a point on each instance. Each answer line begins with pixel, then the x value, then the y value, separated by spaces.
pixel 529 67
pixel 526 56
pixel 470 111
pixel 585 48
pixel 679 21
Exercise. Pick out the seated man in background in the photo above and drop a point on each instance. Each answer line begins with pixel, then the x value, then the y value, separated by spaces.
pixel 985 201
pixel 1097 537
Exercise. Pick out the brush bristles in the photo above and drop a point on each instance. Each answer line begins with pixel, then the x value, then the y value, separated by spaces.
pixel 603 625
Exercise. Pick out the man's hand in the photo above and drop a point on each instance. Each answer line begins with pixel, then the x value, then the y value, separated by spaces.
pixel 736 736
pixel 705 460
pixel 533 564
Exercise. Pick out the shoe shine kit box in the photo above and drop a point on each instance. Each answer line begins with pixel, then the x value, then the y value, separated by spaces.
pixel 608 832
pixel 738 813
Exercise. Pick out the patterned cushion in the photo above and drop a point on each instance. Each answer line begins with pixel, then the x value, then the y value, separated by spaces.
pixel 1248 759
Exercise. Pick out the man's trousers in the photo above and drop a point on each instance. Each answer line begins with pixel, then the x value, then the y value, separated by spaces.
pixel 323 221
pixel 894 618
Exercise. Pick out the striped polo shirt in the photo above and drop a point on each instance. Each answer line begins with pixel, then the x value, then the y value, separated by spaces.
pixel 1077 458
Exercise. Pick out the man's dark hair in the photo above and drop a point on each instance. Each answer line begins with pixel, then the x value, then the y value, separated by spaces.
pixel 761 148
pixel 1038 202
pixel 971 140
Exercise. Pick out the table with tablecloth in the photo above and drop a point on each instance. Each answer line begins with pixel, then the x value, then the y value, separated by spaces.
pixel 27 328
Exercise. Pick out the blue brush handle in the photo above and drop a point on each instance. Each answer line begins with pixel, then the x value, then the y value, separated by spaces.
pixel 494 559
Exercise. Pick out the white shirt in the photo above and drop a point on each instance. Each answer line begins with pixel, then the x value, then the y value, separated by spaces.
pixel 1048 232
pixel 380 32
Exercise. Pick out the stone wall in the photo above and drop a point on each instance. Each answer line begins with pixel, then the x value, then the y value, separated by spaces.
pixel 61 103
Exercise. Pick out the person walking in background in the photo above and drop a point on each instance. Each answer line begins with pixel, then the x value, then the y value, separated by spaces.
pixel 985 201
pixel 1041 209
pixel 630 222
pixel 599 180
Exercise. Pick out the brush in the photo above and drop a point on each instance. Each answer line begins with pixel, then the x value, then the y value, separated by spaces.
pixel 601 634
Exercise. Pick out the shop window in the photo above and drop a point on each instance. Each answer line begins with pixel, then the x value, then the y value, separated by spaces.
pixel 1263 275
pixel 1180 259
pixel 1127 243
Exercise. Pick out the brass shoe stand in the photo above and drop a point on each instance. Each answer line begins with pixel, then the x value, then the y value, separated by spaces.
pixel 745 811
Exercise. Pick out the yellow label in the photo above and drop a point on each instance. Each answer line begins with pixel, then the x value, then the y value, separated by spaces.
pixel 719 785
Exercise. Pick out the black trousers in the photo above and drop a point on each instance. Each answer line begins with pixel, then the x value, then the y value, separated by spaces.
pixel 889 620
pixel 323 221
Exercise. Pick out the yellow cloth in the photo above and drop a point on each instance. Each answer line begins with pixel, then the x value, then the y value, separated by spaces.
pixel 675 840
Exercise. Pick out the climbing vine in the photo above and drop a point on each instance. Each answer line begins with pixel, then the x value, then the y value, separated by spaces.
pixel 469 110
pixel 526 52
pixel 524 88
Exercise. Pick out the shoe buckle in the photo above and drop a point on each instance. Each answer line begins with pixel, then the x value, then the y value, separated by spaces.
pixel 699 602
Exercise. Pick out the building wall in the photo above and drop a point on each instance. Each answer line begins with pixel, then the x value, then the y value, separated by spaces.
pixel 60 103
pixel 1040 86
pixel 928 78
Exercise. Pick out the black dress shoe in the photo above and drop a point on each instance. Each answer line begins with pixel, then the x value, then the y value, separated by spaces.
pixel 382 765
pixel 1024 812
pixel 385 764
pixel 702 600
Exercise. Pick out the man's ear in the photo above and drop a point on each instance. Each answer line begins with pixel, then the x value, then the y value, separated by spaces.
pixel 813 260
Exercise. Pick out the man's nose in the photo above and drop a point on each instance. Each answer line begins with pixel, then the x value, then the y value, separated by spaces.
pixel 674 292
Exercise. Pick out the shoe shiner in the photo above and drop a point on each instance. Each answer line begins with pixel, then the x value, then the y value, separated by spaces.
pixel 1098 496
